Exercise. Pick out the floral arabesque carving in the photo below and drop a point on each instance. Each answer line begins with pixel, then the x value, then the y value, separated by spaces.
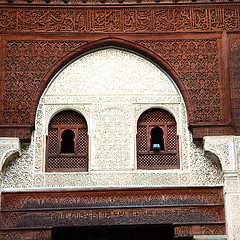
pixel 27 62
pixel 87 199
pixel 18 173
pixel 234 46
pixel 198 64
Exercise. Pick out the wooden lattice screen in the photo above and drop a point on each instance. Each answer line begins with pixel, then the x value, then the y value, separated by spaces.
pixel 163 159
pixel 74 161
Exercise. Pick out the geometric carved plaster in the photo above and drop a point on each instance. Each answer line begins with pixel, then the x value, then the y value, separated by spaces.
pixel 111 89
pixel 9 147
pixel 226 149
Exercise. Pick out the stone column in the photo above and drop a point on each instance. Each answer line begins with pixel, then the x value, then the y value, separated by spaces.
pixel 227 149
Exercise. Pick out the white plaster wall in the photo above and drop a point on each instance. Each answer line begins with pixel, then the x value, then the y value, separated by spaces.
pixel 111 88
pixel 232 207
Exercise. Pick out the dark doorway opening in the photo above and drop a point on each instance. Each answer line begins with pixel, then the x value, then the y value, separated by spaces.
pixel 130 232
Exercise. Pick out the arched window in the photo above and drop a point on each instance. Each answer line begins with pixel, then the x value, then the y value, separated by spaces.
pixel 67 143
pixel 157 142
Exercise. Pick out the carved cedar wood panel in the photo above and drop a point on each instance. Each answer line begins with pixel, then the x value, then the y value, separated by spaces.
pixel 97 2
pixel 198 64
pixel 235 81
pixel 27 62
pixel 193 211
pixel 121 19
pixel 23 235
pixel 197 61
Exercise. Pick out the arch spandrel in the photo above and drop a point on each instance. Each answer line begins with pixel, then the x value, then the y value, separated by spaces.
pixel 113 43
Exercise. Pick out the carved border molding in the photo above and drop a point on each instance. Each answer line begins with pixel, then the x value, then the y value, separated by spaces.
pixel 191 210
pixel 97 2
pixel 112 198
pixel 26 234
pixel 234 66
pixel 142 19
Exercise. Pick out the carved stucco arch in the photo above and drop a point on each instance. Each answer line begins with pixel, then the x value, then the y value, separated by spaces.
pixel 9 148
pixel 114 43
pixel 215 153
pixel 57 110
pixel 224 147
pixel 73 74
pixel 8 156
pixel 161 106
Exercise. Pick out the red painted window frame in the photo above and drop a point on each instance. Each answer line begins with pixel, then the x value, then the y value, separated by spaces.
pixel 164 127
pixel 60 128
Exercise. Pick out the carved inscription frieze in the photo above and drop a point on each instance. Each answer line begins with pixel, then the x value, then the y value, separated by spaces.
pixel 84 199
pixel 192 210
pixel 124 19
pixel 90 217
